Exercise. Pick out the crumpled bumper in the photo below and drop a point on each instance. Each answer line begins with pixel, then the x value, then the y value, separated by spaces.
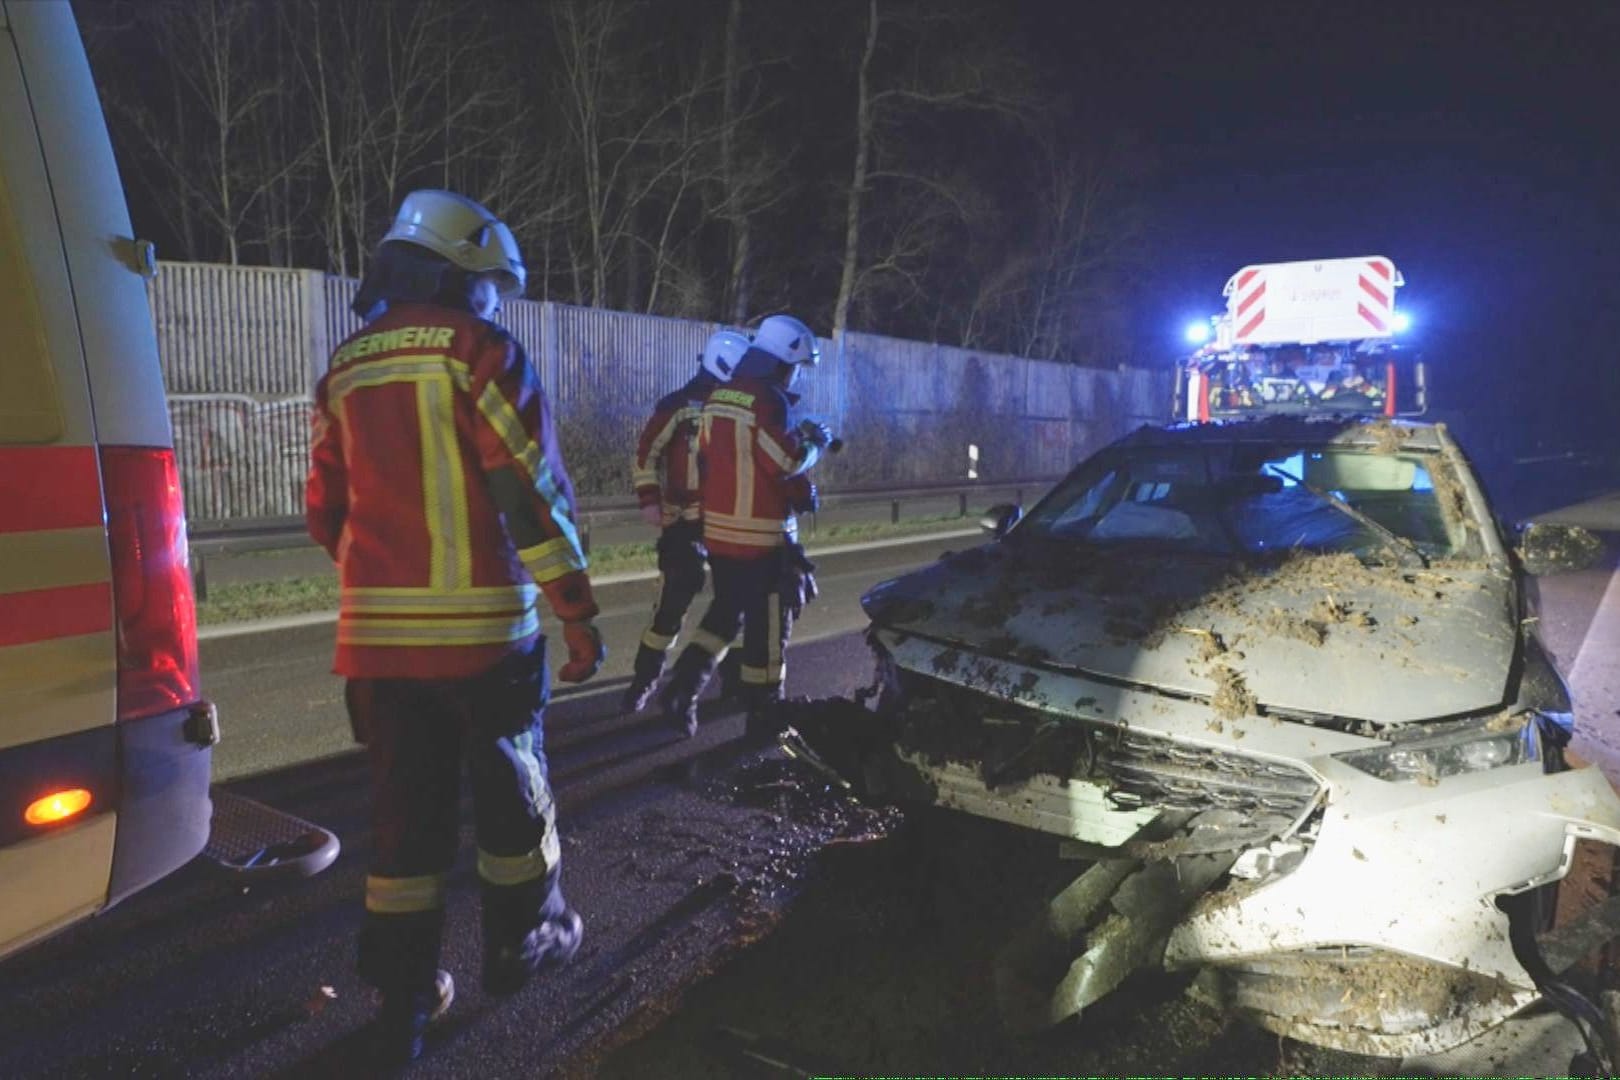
pixel 1393 909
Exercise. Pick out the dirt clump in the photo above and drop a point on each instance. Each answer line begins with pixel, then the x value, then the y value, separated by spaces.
pixel 1330 611
pixel 1387 437
pixel 1279 623
pixel 1232 699
pixel 1211 646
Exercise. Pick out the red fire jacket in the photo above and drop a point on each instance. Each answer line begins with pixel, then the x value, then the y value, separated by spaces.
pixel 665 469
pixel 751 460
pixel 416 417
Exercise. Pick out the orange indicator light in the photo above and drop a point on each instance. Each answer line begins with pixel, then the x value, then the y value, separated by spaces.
pixel 57 806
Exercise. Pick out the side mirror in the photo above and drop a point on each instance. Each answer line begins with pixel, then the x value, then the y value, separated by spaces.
pixel 999 519
pixel 1545 548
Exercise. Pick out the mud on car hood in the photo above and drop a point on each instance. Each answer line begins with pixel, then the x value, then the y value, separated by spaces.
pixel 1315 634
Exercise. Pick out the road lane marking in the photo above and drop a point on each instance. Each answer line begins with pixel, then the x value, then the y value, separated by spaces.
pixel 1595 675
pixel 320 618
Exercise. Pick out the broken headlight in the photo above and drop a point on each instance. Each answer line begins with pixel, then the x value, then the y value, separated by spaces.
pixel 1431 758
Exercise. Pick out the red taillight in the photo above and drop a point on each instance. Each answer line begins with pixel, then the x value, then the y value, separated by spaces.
pixel 156 615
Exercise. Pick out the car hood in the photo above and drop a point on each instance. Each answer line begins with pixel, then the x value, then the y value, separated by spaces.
pixel 1315 634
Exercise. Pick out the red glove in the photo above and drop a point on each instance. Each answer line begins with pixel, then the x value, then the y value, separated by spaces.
pixel 652 514
pixel 585 651
pixel 570 597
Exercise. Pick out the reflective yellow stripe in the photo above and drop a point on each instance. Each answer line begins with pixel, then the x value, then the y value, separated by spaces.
pixel 47 668
pixel 552 559
pixel 53 558
pixel 512 600
pixel 776 453
pixel 657 642
pixel 655 449
pixel 444 486
pixel 745 470
pixel 713 644
pixel 775 538
pixel 460 558
pixel 754 676
pixel 416 368
pixel 746 524
pixel 506 424
pixel 730 412
pixel 405 895
pixel 358 630
pixel 435 484
pixel 518 869
pixel 774 667
pixel 522 590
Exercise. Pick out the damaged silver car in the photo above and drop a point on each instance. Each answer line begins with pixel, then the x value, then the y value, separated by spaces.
pixel 1279 683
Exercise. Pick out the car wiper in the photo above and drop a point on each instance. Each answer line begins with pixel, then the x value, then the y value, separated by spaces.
pixel 1390 537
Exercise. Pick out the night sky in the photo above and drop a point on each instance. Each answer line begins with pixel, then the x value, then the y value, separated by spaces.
pixel 1474 144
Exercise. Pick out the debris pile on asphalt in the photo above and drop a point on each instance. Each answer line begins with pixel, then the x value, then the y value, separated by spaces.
pixel 797 813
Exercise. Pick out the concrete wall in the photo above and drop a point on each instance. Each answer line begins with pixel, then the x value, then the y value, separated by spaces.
pixel 242 348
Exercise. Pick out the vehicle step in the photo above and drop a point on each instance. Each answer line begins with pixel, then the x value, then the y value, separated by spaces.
pixel 249 839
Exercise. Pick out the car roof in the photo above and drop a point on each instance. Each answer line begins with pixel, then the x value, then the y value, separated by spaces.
pixel 1340 430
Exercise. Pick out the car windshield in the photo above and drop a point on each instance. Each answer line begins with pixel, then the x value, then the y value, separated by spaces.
pixel 1252 498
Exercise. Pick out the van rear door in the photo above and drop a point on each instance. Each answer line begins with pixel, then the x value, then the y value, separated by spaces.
pixel 58 675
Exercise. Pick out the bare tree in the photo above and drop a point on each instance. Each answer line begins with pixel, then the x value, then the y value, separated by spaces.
pixel 753 172
pixel 942 62
pixel 617 126
pixel 222 94
pixel 1047 288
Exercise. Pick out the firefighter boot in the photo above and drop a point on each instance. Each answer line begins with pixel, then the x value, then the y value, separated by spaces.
pixel 508 968
pixel 528 928
pixel 399 956
pixel 649 665
pixel 686 681
pixel 764 721
pixel 404 1019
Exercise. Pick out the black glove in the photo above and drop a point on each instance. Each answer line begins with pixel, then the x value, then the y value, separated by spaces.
pixel 798 582
pixel 816 433
pixel 803 498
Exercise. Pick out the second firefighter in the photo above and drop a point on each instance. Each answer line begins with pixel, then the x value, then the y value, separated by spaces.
pixel 754 484
pixel 665 474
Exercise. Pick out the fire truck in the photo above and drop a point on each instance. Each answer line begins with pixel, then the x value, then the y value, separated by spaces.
pixel 1303 337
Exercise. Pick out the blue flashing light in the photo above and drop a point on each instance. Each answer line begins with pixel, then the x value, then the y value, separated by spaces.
pixel 1402 322
pixel 1197 333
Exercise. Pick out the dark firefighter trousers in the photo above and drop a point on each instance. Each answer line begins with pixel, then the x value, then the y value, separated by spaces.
pixel 747 596
pixel 681 560
pixel 418 733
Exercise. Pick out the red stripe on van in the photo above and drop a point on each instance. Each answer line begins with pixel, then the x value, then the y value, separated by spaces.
pixel 49 487
pixel 42 614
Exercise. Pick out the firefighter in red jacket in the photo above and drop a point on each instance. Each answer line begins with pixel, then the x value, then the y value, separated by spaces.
pixel 754 484
pixel 665 474
pixel 436 485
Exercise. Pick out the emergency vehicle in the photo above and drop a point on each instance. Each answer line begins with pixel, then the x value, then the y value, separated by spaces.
pixel 104 734
pixel 1303 337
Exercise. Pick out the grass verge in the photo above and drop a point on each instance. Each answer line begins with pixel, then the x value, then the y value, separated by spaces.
pixel 242 601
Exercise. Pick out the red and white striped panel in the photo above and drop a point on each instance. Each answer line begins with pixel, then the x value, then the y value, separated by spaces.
pixel 1376 304
pixel 1249 303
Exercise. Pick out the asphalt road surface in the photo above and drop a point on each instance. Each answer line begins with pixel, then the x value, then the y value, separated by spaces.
pixel 279 703
pixel 671 851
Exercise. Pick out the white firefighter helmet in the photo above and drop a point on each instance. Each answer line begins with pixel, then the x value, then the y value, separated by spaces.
pixel 787 339
pixel 463 232
pixel 724 349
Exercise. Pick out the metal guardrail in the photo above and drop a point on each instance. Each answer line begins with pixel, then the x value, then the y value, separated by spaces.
pixel 285 533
